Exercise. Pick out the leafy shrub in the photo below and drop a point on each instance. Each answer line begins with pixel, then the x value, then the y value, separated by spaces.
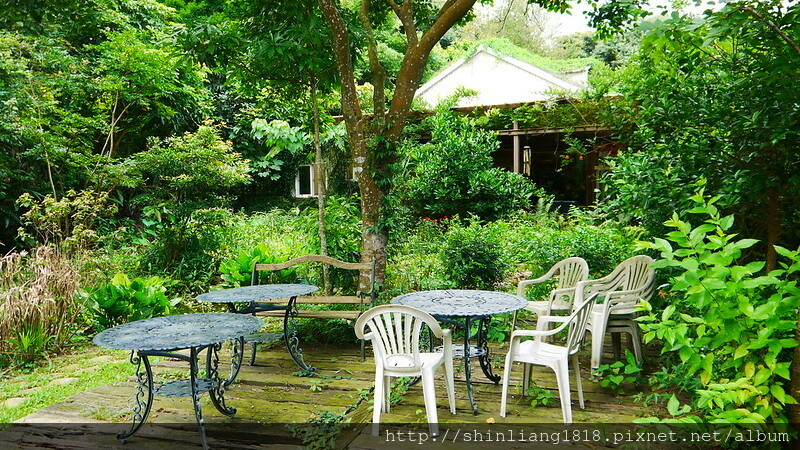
pixel 415 262
pixel 29 343
pixel 732 327
pixel 528 242
pixel 473 256
pixel 538 241
pixel 539 396
pixel 186 247
pixel 285 231
pixel 125 300
pixel 68 223
pixel 238 271
pixel 321 430
pixel 180 187
pixel 325 331
pixel 415 272
pixel 453 174
pixel 342 227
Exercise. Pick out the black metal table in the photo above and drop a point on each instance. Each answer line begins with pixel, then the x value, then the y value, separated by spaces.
pixel 462 308
pixel 253 297
pixel 164 336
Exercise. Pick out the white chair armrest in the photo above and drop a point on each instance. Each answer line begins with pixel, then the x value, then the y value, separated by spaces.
pixel 516 335
pixel 565 291
pixel 525 283
pixel 447 343
pixel 614 297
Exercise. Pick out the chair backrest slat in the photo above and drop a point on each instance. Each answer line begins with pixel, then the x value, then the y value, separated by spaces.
pixel 396 332
pixel 577 327
pixel 635 274
pixel 570 271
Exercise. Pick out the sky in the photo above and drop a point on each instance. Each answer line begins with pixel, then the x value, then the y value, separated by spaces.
pixel 574 22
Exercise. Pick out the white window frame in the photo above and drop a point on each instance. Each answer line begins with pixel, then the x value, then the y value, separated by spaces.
pixel 312 180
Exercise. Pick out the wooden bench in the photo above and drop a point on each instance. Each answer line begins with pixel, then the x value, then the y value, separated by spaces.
pixel 349 308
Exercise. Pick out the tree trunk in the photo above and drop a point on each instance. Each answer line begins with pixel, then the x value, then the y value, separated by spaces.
pixel 320 188
pixel 362 134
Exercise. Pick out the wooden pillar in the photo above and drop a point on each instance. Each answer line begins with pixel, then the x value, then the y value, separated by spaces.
pixel 517 168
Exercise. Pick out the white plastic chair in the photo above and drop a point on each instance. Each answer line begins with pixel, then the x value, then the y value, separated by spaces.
pixel 567 273
pixel 557 357
pixel 628 284
pixel 395 334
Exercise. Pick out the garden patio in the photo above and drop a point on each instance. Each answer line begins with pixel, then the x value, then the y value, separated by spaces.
pixel 156 151
pixel 270 395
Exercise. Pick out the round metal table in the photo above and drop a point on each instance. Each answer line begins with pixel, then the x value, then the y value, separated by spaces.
pixel 255 297
pixel 257 293
pixel 163 336
pixel 461 308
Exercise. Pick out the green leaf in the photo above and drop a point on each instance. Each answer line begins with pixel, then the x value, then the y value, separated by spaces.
pixel 778 393
pixel 726 222
pixel 673 405
pixel 782 370
pixel 663 245
pixel 685 353
pixel 785 252
pixel 746 243
pixel 668 311
pixel 762 376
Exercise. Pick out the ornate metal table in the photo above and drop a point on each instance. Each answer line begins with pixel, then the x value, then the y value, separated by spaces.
pixel 254 296
pixel 462 308
pixel 163 336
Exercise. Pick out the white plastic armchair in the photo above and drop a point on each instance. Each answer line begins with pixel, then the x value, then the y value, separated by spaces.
pixel 395 334
pixel 567 273
pixel 557 357
pixel 622 290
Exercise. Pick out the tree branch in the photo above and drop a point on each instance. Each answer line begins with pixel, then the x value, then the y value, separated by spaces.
pixel 769 23
pixel 405 13
pixel 375 66
pixel 416 58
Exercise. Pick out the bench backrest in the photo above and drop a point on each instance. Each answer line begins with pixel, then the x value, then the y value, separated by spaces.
pixel 366 289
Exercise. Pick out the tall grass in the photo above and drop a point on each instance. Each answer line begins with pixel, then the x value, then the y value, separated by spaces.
pixel 38 311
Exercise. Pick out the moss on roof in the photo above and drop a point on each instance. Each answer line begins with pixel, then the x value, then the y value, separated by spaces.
pixel 506 48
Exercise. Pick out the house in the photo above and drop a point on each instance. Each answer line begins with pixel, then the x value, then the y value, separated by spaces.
pixel 498 80
pixel 541 154
pixel 501 81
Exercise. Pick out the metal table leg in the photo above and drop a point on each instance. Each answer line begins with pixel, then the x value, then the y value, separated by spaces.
pixel 212 372
pixel 144 388
pixel 290 336
pixel 237 357
pixel 237 351
pixel 198 408
pixel 483 354
pixel 467 370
